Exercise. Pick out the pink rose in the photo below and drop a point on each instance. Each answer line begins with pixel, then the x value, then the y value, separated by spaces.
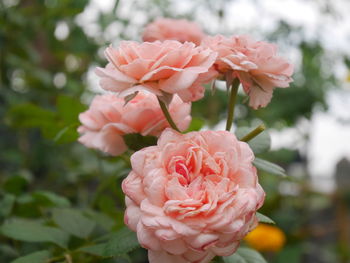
pixel 255 63
pixel 192 196
pixel 176 29
pixel 157 67
pixel 107 120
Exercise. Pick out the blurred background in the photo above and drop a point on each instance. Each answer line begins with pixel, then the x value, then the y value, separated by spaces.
pixel 49 50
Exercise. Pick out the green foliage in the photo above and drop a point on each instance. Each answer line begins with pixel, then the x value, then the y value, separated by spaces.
pixel 68 108
pixel 136 141
pixel 115 247
pixel 118 244
pixel 212 108
pixel 196 124
pixel 59 125
pixel 31 231
pixel 235 258
pixel 245 255
pixel 15 184
pixel 102 220
pixel 264 219
pixel 28 115
pixel 96 250
pixel 269 167
pixel 46 198
pixel 6 205
pixel 7 250
pixel 73 222
pixel 293 252
pixel 36 257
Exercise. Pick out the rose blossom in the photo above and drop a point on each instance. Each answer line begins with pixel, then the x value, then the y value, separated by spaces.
pixel 176 29
pixel 192 196
pixel 168 66
pixel 255 63
pixel 107 120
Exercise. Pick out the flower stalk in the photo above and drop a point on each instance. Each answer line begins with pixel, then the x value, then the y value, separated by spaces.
pixel 253 133
pixel 231 104
pixel 167 115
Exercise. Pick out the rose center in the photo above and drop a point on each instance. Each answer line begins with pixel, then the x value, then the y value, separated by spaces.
pixel 181 169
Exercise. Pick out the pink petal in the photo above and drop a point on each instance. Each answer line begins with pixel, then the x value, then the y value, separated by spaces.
pixel 146 238
pixel 132 214
pixel 259 98
pixel 180 80
pixel 136 69
pixel 176 247
pixel 113 79
pixel 225 251
pixel 154 184
pixel 164 257
pixel 202 241
pixel 132 187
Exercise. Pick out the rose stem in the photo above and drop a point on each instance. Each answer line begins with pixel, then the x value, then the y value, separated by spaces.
pixel 253 133
pixel 231 104
pixel 167 115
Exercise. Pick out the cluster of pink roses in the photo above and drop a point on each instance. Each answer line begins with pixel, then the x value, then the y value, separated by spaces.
pixel 192 196
pixel 108 119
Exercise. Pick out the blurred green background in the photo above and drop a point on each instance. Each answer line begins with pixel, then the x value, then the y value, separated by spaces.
pixel 48 52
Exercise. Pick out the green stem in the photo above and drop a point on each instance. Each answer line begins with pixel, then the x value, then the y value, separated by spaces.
pixel 68 258
pixel 167 115
pixel 231 104
pixel 253 133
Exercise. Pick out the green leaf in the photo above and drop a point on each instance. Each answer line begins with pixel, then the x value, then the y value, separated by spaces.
pixel 67 134
pixel 217 259
pixel 118 244
pixel 28 115
pixel 60 126
pixel 196 125
pixel 6 205
pixel 245 255
pixel 121 242
pixel 269 167
pixel 264 219
pixel 260 143
pixel 96 250
pixel 124 258
pixel 15 184
pixel 47 198
pixel 30 231
pixel 7 250
pixel 106 203
pixel 101 219
pixel 136 141
pixel 251 255
pixel 73 222
pixel 294 253
pixel 69 108
pixel 235 258
pixel 36 257
pixel 26 207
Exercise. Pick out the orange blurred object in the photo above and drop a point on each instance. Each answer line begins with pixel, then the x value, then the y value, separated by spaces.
pixel 266 238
